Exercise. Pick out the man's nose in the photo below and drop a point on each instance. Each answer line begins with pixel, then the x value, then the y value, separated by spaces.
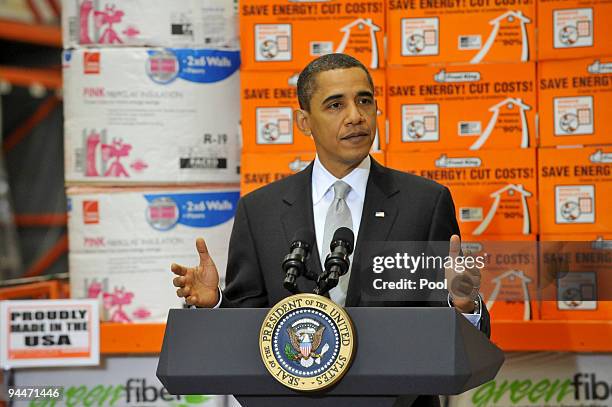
pixel 354 115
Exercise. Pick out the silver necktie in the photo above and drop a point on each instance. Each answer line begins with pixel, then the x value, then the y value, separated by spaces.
pixel 338 215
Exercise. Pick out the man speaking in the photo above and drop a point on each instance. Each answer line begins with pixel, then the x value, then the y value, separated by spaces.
pixel 343 187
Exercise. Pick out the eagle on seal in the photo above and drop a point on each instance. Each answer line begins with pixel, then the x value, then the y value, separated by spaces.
pixel 304 345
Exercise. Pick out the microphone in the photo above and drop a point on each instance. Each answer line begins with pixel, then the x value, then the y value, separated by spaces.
pixel 337 262
pixel 294 264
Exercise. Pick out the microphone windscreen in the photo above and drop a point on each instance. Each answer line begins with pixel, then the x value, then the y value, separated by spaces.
pixel 304 235
pixel 346 235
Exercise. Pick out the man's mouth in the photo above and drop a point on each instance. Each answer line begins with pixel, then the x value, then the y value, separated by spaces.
pixel 356 134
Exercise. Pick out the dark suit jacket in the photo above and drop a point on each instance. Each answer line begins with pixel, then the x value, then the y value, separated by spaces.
pixel 416 209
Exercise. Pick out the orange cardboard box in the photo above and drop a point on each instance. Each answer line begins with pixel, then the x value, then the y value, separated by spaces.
pixel 574 28
pixel 474 31
pixel 471 107
pixel 261 169
pixel 268 100
pixel 286 34
pixel 509 278
pixel 494 191
pixel 576 276
pixel 575 101
pixel 575 189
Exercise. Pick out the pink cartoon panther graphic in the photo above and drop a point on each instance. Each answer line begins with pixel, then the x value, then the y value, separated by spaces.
pixel 108 17
pixel 85 12
pixel 115 302
pixel 116 150
pixel 141 313
pixel 94 290
pixel 93 139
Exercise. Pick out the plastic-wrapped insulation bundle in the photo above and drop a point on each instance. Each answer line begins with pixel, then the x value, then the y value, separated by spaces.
pixel 10 260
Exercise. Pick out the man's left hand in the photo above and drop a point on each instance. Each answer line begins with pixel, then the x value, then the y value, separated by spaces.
pixel 463 285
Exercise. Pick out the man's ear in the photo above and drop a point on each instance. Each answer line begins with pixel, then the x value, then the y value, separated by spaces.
pixel 302 120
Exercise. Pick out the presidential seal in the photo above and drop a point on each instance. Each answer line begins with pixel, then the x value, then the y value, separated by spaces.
pixel 307 342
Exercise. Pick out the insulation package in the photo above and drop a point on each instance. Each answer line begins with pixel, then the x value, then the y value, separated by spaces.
pixel 178 23
pixel 492 195
pixel 574 102
pixel 482 31
pixel 575 187
pixel 151 115
pixel 461 107
pixel 509 278
pixel 123 241
pixel 288 34
pixel 570 29
pixel 576 276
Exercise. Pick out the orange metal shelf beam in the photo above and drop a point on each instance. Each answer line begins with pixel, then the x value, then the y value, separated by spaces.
pixel 560 336
pixel 42 290
pixel 49 78
pixel 31 33
pixel 41 219
pixel 116 338
pixel 511 336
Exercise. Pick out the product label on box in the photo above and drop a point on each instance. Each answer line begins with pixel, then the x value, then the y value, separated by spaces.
pixel 118 381
pixel 274 125
pixel 420 36
pixel 577 291
pixel 573 27
pixel 575 203
pixel 137 236
pixel 573 115
pixel 551 379
pixel 420 123
pixel 183 99
pixel 273 42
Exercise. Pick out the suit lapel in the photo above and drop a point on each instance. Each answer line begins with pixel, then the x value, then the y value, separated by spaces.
pixel 378 216
pixel 298 215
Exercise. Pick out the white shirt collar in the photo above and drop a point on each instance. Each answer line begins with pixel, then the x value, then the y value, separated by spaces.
pixel 323 180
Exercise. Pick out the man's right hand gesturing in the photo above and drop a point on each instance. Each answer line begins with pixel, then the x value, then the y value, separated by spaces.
pixel 199 285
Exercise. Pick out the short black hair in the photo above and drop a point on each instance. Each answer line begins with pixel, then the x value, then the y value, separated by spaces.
pixel 307 79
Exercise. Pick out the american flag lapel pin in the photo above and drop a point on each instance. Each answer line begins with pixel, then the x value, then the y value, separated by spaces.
pixel 379 214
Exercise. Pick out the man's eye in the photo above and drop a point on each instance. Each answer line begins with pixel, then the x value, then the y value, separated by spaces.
pixel 365 101
pixel 335 105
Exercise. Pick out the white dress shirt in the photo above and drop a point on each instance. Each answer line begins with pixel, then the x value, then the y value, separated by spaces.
pixel 322 198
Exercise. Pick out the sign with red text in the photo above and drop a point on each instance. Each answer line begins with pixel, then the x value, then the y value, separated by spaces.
pixel 49 333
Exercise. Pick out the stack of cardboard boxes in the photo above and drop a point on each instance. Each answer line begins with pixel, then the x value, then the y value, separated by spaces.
pixel 471 97
pixel 462 105
pixel 575 157
pixel 151 146
pixel 278 39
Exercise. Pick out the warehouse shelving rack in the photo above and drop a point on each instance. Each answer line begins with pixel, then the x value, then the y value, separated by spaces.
pixel 511 336
pixel 117 339
pixel 31 33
